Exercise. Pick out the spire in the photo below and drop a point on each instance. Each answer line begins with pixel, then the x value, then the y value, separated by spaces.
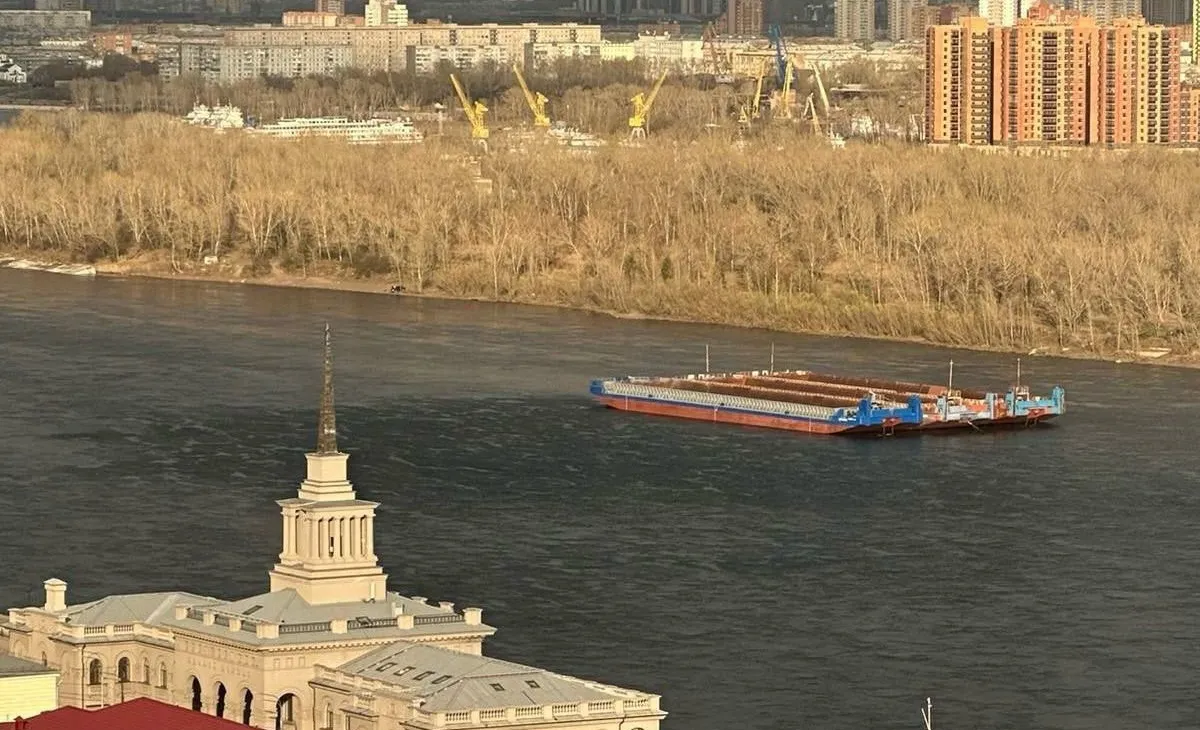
pixel 327 423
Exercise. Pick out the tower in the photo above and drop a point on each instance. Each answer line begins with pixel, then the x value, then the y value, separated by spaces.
pixel 328 551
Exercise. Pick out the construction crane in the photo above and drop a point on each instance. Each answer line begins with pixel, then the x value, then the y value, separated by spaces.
pixel 536 102
pixel 475 114
pixel 722 68
pixel 748 113
pixel 781 57
pixel 641 109
pixel 784 100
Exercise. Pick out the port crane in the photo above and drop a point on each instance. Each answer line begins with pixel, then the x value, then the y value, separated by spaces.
pixel 722 68
pixel 475 112
pixel 536 101
pixel 642 104
pixel 748 113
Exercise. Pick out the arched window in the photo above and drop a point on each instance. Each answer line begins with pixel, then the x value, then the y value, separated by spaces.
pixel 44 662
pixel 123 669
pixel 220 700
pixel 285 712
pixel 162 675
pixel 247 706
pixel 328 717
pixel 95 672
pixel 146 671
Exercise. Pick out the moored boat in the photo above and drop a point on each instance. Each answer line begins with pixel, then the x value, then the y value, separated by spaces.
pixel 800 400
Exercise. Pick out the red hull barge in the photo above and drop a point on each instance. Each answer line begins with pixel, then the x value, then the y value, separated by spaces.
pixel 827 404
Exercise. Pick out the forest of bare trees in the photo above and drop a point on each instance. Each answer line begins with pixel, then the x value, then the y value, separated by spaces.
pixel 1096 253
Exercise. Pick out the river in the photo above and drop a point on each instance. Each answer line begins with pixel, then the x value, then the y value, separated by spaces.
pixel 758 580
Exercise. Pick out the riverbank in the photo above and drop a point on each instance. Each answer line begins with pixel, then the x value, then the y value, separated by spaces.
pixel 998 253
pixel 231 272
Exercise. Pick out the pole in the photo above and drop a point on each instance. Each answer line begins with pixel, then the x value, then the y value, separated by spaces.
pixel 1018 373
pixel 927 713
pixel 772 370
pixel 950 383
pixel 706 359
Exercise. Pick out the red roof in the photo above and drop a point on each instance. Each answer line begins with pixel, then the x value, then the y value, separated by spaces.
pixel 139 714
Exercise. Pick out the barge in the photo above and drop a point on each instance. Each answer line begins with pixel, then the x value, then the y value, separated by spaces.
pixel 799 400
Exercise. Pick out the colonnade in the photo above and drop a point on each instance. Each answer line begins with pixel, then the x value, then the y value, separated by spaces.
pixel 341 539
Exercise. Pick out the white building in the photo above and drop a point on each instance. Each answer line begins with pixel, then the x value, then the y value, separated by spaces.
pixel 11 73
pixel 1004 12
pixel 327 646
pixel 26 688
pixel 424 59
pixel 385 12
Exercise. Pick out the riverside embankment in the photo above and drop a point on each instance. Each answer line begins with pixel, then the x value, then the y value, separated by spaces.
pixel 1070 256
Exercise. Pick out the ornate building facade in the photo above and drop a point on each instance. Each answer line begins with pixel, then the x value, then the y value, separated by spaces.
pixel 328 647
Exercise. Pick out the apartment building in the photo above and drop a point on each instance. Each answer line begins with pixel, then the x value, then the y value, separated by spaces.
pixel 958 83
pixel 1056 77
pixel 744 18
pixel 1044 72
pixel 854 20
pixel 303 50
pixel 908 19
pixel 45 23
pixel 1106 11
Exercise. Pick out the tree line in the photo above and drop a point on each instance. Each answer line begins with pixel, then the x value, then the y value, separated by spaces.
pixel 585 93
pixel 1096 253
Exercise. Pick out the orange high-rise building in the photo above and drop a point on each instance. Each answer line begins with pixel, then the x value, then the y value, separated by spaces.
pixel 1055 77
pixel 958 82
pixel 1045 69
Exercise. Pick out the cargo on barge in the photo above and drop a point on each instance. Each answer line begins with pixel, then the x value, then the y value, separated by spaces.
pixel 799 400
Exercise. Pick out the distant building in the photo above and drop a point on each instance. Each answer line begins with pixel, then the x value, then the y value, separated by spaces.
pixel 310 19
pixel 1167 12
pixel 10 72
pixel 59 5
pixel 854 20
pixel 1056 77
pixel 45 23
pixel 336 7
pixel 1106 11
pixel 744 18
pixel 907 19
pixel 1004 13
pixel 386 12
pixel 27 688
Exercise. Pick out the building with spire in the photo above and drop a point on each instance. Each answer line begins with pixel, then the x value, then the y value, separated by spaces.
pixel 327 646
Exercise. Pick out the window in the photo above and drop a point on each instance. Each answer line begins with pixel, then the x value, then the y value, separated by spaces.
pixel 95 672
pixel 421 676
pixel 385 666
pixel 532 684
pixel 441 679
pixel 123 669
pixel 400 672
pixel 44 662
pixel 497 686
pixel 146 671
pixel 162 675
pixel 328 716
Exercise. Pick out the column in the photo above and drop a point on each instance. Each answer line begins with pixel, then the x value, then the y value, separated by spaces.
pixel 287 536
pixel 354 532
pixel 370 537
pixel 341 539
pixel 314 528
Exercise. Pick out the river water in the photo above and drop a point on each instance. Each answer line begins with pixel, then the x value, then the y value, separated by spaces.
pixel 758 580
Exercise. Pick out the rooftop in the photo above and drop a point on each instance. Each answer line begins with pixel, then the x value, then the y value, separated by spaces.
pixel 449 681
pixel 11 666
pixel 147 608
pixel 139 714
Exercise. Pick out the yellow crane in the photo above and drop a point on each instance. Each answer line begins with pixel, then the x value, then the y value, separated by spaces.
pixel 785 94
pixel 536 102
pixel 642 104
pixel 475 113
pixel 753 111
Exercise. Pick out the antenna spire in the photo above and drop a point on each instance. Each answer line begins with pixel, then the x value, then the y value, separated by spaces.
pixel 327 422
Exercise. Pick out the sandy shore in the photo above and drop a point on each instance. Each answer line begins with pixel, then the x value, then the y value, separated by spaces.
pixel 227 273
